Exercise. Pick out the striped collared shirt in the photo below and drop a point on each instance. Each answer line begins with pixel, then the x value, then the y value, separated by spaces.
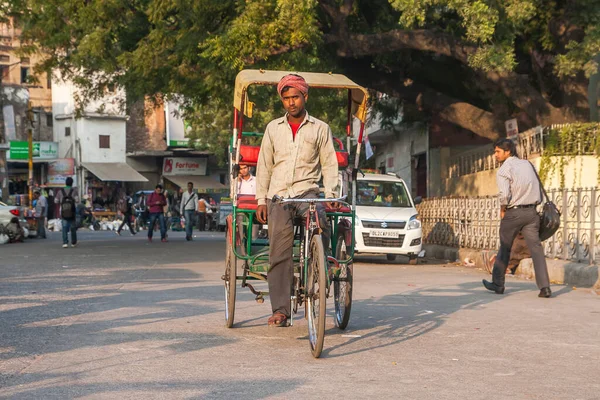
pixel 288 167
pixel 517 183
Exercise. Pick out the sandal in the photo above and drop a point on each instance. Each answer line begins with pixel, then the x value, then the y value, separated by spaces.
pixel 278 320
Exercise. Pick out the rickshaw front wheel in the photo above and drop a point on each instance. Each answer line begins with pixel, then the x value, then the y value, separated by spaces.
pixel 316 295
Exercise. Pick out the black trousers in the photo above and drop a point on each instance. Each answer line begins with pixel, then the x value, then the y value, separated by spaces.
pixel 281 241
pixel 527 221
pixel 127 220
pixel 201 221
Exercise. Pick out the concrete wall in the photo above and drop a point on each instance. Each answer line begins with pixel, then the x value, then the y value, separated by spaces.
pixel 409 142
pixel 479 184
pixel 89 137
pixel 580 172
pixel 83 144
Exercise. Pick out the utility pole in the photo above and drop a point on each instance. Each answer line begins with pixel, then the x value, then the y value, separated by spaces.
pixel 30 143
pixel 3 146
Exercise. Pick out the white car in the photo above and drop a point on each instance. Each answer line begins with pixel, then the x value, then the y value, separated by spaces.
pixel 386 218
pixel 9 212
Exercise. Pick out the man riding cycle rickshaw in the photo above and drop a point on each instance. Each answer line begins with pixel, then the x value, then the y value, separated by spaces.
pixel 296 152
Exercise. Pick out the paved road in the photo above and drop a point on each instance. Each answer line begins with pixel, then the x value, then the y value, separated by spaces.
pixel 117 317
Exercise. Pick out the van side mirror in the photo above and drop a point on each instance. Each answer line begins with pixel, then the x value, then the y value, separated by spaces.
pixel 418 200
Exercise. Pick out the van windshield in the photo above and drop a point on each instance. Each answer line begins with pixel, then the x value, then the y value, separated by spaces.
pixel 382 194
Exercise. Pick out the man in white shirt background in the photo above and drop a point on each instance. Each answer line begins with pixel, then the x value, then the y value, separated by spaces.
pixel 246 181
pixel 189 206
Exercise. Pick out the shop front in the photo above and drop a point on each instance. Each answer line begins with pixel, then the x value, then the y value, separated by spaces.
pixel 44 153
pixel 105 184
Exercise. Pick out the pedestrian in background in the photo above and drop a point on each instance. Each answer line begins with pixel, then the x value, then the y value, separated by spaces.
pixel 203 206
pixel 127 214
pixel 68 197
pixel 144 214
pixel 156 203
pixel 188 207
pixel 519 195
pixel 41 212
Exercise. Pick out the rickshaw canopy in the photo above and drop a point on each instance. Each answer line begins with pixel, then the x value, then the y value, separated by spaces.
pixel 247 77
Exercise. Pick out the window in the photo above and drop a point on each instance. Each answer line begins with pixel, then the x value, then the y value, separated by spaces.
pixel 25 60
pixel 382 194
pixel 104 141
pixel 4 58
pixel 67 131
pixel 5 71
pixel 25 71
pixel 49 120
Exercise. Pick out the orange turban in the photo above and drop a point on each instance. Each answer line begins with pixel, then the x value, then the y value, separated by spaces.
pixel 292 80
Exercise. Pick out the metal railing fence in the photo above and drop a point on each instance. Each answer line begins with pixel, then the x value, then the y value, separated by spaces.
pixel 474 223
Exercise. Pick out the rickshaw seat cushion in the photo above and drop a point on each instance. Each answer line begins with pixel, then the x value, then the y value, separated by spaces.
pixel 342 158
pixel 343 209
pixel 249 154
pixel 247 202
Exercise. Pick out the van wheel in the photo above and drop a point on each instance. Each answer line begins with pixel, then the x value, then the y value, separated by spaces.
pixel 391 257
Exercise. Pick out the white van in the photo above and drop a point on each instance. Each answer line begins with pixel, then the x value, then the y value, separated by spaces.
pixel 386 218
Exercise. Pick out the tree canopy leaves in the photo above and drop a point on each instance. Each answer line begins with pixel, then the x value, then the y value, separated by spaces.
pixel 473 63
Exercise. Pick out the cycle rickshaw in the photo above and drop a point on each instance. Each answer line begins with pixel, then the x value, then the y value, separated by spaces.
pixel 247 257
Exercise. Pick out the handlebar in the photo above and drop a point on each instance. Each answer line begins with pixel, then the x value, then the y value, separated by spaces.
pixel 280 200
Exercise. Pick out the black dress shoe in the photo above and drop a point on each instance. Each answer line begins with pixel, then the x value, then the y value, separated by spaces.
pixel 493 287
pixel 545 292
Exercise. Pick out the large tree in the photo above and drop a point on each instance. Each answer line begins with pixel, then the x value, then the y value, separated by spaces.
pixel 473 63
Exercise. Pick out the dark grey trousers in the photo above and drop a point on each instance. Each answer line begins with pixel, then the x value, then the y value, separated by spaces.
pixel 281 241
pixel 527 221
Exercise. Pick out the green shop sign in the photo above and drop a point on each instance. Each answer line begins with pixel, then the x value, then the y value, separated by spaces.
pixel 41 150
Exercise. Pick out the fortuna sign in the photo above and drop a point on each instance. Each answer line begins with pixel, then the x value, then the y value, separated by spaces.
pixel 184 166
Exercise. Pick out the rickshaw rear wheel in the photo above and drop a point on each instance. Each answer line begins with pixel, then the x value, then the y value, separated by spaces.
pixel 342 286
pixel 230 282
pixel 316 295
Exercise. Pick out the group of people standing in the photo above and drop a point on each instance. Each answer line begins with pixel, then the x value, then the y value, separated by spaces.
pixel 193 207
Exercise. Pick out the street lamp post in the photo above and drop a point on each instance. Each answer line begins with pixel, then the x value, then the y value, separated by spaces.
pixel 30 145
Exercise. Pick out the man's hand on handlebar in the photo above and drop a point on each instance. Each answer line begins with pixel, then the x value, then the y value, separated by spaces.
pixel 261 214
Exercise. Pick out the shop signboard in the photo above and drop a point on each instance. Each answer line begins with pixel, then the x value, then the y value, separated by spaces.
pixel 41 150
pixel 59 170
pixel 184 166
pixel 512 128
pixel 177 128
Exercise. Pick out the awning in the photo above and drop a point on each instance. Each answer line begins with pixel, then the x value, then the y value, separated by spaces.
pixel 204 184
pixel 114 172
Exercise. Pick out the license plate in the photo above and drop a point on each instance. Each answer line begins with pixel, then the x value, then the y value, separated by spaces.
pixel 384 234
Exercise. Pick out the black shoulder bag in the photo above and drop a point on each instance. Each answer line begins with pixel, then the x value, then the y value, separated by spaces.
pixel 550 216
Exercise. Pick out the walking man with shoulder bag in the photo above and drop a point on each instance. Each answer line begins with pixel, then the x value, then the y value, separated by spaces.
pixel 189 205
pixel 68 197
pixel 520 193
